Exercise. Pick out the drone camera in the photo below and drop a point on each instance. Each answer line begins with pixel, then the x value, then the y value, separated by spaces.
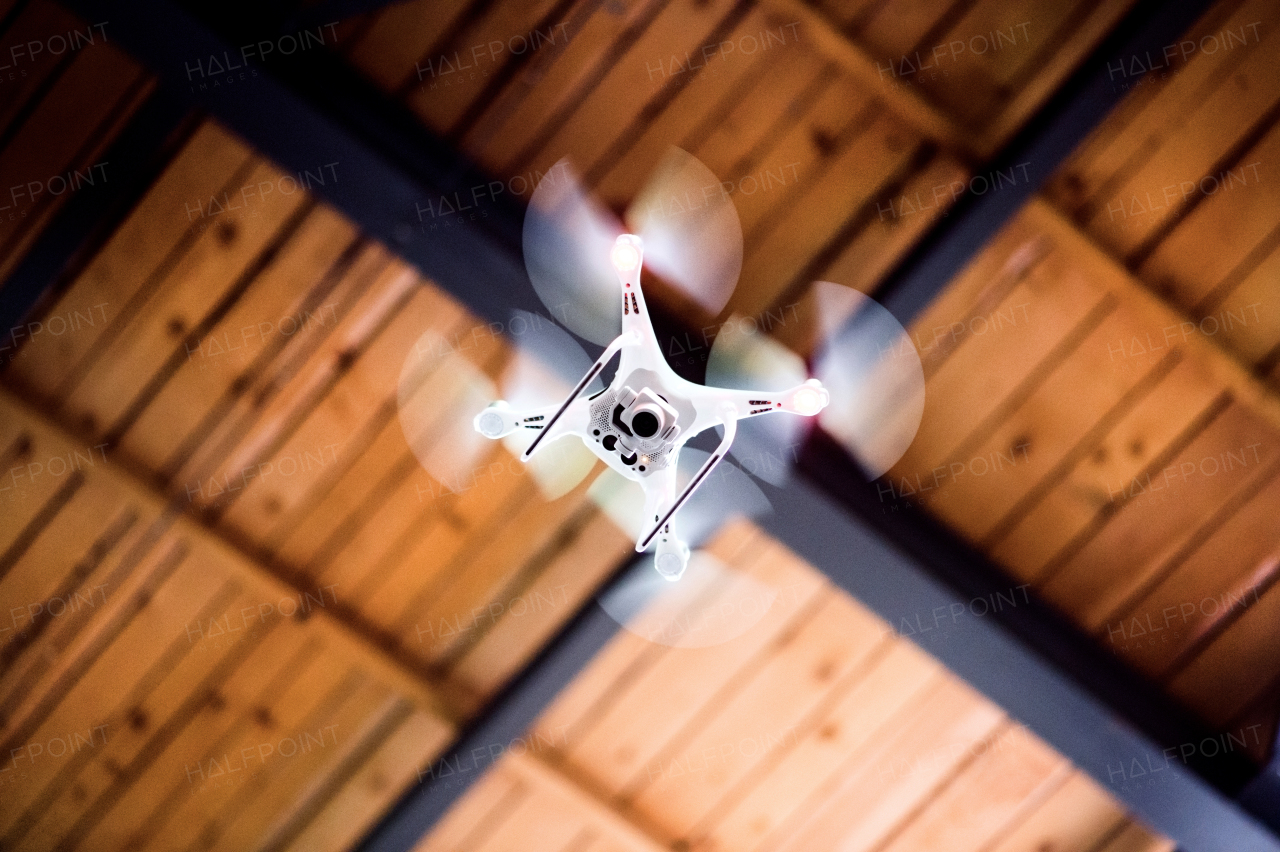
pixel 644 415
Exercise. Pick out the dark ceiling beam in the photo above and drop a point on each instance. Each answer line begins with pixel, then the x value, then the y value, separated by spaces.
pixel 310 109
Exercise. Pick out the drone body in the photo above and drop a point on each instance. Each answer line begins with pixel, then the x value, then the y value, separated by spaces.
pixel 639 423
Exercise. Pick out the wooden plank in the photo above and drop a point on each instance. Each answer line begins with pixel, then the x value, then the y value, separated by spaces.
pixel 300 371
pixel 1068 54
pixel 1160 516
pixel 988 797
pixel 543 821
pixel 906 769
pixel 1076 817
pixel 1202 591
pixel 628 653
pixel 857 169
pixel 457 75
pixel 382 539
pixel 1026 539
pixel 43 472
pixel 379 461
pixel 856 60
pixel 1155 108
pixel 896 27
pixel 399 36
pixel 477 578
pixel 599 818
pixel 1238 666
pixel 863 262
pixel 984 481
pixel 1234 214
pixel 1003 47
pixel 526 622
pixel 247 430
pixel 1221 119
pixel 667 693
pixel 329 435
pixel 1246 322
pixel 885 697
pixel 1136 837
pixel 413 528
pixel 784 108
pixel 225 782
pixel 682 122
pixel 109 797
pixel 34 693
pixel 1079 261
pixel 551 84
pixel 380 779
pixel 120 373
pixel 29 69
pixel 799 150
pixel 385 464
pixel 287 298
pixel 101 295
pixel 240 716
pixel 844 15
pixel 269 798
pixel 960 396
pixel 61 578
pixel 121 670
pixel 341 642
pixel 739 732
pixel 616 100
pixel 55 151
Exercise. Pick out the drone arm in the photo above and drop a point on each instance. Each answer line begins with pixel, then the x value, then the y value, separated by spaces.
pixel 730 430
pixel 805 399
pixel 499 420
pixel 620 341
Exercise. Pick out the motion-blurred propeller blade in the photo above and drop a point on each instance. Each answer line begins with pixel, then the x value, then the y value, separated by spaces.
pixel 711 604
pixel 438 394
pixel 567 240
pixel 872 369
pixel 690 227
pixel 746 358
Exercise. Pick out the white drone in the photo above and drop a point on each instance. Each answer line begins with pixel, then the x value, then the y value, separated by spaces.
pixel 639 424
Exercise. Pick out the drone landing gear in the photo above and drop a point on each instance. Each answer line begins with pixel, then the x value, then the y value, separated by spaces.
pixel 672 555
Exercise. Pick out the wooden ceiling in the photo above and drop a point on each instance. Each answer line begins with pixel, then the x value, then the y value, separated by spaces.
pixel 820 728
pixel 208 481
pixel 1102 392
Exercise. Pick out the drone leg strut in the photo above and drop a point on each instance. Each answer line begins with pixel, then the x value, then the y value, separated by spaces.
pixel 730 430
pixel 576 392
